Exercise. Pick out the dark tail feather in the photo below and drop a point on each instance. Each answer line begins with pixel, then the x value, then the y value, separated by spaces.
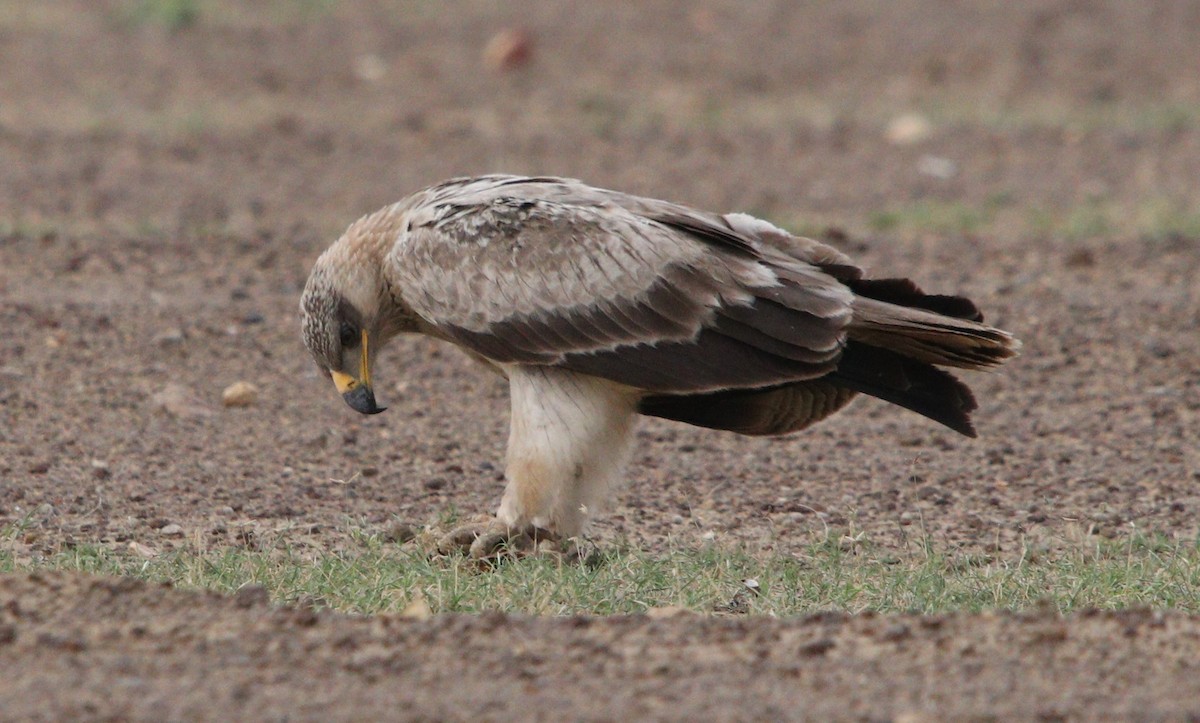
pixel 919 332
pixel 909 383
pixel 894 343
pixel 904 292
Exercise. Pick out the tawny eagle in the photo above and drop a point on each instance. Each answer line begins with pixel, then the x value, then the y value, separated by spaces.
pixel 600 306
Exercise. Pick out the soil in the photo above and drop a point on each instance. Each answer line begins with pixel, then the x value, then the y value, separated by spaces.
pixel 166 184
pixel 124 649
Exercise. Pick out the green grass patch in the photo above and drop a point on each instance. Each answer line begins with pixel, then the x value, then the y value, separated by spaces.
pixel 999 215
pixel 181 15
pixel 939 217
pixel 382 577
pixel 174 15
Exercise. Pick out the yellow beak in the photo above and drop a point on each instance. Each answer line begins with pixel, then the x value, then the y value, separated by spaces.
pixel 357 390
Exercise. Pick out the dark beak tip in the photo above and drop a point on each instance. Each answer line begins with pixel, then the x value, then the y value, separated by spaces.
pixel 362 400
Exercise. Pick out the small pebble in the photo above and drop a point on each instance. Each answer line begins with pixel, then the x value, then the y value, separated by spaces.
pixel 239 394
pixel 508 49
pixel 908 129
pixel 141 550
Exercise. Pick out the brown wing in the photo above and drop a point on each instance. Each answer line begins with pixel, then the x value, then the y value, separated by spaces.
pixel 659 297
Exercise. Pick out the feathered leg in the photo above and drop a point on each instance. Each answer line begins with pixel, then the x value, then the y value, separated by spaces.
pixel 569 440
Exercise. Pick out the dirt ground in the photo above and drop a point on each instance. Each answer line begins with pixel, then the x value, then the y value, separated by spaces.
pixel 123 649
pixel 166 182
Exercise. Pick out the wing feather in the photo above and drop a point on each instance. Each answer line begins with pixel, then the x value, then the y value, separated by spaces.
pixel 754 326
pixel 646 293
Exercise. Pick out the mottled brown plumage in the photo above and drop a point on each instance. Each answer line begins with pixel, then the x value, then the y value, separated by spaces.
pixel 599 305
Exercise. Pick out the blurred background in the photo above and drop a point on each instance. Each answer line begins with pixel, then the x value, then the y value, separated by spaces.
pixel 1030 117
pixel 169 170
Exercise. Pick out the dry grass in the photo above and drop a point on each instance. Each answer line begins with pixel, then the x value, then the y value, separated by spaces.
pixel 380 576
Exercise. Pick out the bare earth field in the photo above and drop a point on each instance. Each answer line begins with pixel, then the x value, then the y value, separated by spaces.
pixel 123 649
pixel 167 179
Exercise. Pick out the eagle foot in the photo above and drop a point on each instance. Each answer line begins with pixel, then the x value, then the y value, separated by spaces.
pixel 493 539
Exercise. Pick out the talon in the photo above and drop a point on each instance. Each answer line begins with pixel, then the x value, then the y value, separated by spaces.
pixel 460 539
pixel 487 540
pixel 500 539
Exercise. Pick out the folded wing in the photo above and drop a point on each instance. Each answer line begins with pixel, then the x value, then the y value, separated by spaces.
pixel 721 321
pixel 661 297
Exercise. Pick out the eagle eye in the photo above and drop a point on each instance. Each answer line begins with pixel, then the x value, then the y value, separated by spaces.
pixel 348 335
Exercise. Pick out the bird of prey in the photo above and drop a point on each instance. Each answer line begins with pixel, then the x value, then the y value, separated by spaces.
pixel 600 306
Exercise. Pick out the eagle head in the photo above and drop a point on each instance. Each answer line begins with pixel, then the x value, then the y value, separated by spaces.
pixel 341 320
